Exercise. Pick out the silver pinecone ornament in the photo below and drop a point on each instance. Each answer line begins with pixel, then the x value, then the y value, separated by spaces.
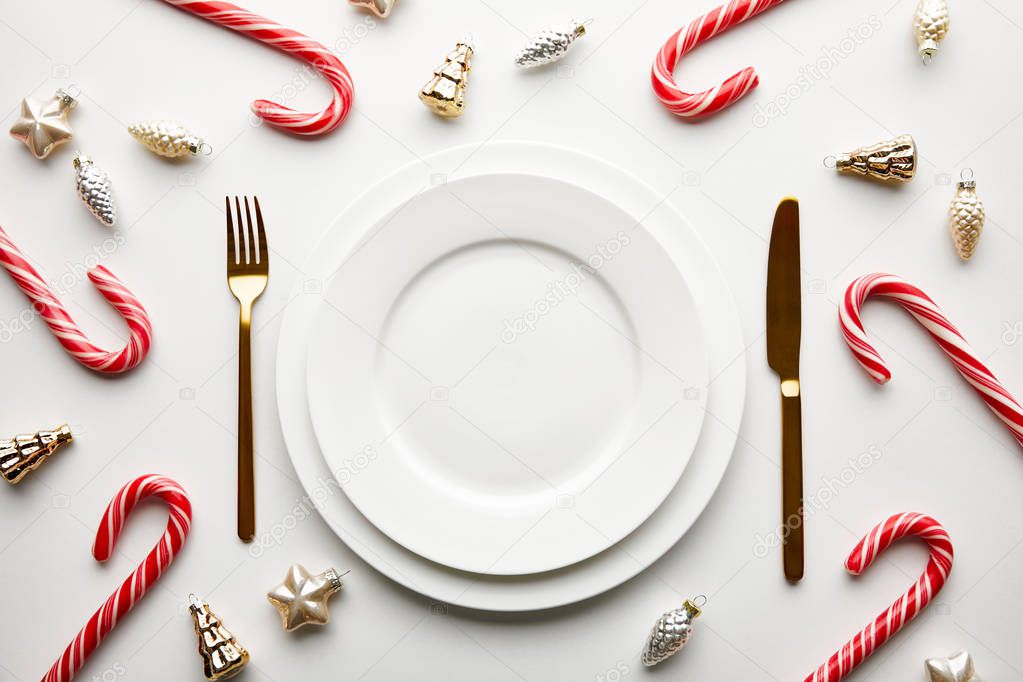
pixel 550 44
pixel 670 633
pixel 94 189
pixel 168 138
pixel 930 25
pixel 966 217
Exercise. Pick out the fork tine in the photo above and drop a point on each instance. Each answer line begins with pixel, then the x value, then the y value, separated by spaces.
pixel 250 236
pixel 243 237
pixel 232 251
pixel 262 233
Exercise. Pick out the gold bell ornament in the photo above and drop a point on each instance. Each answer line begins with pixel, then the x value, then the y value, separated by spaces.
pixel 445 92
pixel 888 161
pixel 43 125
pixel 966 216
pixel 169 139
pixel 222 655
pixel 22 455
pixel 931 23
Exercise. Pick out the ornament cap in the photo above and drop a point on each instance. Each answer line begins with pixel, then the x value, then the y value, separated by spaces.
pixel 80 160
pixel 67 97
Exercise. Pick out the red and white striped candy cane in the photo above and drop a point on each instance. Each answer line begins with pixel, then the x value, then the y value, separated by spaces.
pixel 142 578
pixel 64 328
pixel 948 338
pixel 695 105
pixel 292 42
pixel 906 607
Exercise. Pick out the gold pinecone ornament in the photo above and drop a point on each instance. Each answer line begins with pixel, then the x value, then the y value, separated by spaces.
pixel 888 161
pixel 168 139
pixel 930 26
pixel 445 92
pixel 966 217
pixel 23 454
pixel 222 655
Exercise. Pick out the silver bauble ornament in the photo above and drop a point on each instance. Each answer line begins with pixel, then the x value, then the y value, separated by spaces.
pixel 670 633
pixel 550 44
pixel 93 187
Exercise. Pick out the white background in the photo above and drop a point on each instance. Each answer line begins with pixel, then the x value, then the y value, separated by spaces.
pixel 941 451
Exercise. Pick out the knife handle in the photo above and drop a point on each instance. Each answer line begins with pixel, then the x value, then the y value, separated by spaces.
pixel 792 478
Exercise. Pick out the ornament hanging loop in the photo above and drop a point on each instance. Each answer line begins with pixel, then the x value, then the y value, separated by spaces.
pixel 699 601
pixel 830 162
pixel 966 175
pixel 204 149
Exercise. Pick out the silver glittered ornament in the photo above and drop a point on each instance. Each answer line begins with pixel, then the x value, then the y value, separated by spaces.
pixel 93 187
pixel 931 23
pixel 550 44
pixel 671 632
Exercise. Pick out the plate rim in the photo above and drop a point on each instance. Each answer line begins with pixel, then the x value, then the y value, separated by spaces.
pixel 589 578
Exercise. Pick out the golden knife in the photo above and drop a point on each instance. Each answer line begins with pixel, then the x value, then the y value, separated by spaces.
pixel 784 298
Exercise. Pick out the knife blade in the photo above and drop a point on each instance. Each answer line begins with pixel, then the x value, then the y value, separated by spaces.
pixel 784 322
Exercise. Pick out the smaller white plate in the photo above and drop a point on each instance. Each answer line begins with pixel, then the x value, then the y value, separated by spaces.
pixel 498 349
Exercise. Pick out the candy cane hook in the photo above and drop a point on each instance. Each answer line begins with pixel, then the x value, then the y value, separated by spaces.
pixel 284 39
pixel 64 328
pixel 142 578
pixel 906 607
pixel 948 338
pixel 695 105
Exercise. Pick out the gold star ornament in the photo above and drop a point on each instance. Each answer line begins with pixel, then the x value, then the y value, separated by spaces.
pixel 43 124
pixel 956 668
pixel 381 8
pixel 302 598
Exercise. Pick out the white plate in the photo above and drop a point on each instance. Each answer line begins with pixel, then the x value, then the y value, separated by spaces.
pixel 508 347
pixel 636 551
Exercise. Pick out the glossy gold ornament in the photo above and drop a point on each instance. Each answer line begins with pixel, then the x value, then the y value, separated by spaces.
pixel 222 655
pixel 930 26
pixel 889 161
pixel 381 8
pixel 168 139
pixel 43 125
pixel 24 454
pixel 966 216
pixel 445 92
pixel 956 668
pixel 302 598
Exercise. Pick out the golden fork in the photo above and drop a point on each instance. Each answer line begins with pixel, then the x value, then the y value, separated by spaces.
pixel 247 272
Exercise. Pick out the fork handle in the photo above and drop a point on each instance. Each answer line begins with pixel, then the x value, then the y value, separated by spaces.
pixel 246 478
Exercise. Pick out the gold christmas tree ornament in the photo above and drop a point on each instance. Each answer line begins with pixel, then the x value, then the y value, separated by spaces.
pixel 24 454
pixel 222 655
pixel 169 139
pixel 966 216
pixel 302 598
pixel 931 23
pixel 381 8
pixel 444 94
pixel 43 125
pixel 888 161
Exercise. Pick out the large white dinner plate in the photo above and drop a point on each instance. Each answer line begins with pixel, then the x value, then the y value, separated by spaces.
pixel 637 550
pixel 524 361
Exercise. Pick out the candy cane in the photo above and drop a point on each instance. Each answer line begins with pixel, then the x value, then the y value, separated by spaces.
pixel 292 42
pixel 906 607
pixel 948 338
pixel 141 579
pixel 681 42
pixel 64 328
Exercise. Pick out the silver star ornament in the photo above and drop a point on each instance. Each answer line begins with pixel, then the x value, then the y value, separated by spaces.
pixel 955 668
pixel 302 598
pixel 43 125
